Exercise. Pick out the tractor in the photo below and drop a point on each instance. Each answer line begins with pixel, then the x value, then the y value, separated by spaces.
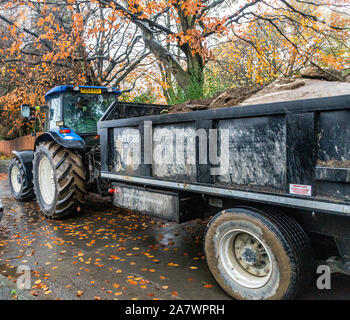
pixel 65 162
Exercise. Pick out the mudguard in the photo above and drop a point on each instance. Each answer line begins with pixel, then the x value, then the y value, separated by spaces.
pixel 26 158
pixel 69 140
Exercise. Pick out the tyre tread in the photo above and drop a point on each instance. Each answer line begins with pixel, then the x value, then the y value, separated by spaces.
pixel 70 185
pixel 27 193
pixel 298 246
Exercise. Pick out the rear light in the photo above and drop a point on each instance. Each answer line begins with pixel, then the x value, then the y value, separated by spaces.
pixel 113 190
pixel 65 131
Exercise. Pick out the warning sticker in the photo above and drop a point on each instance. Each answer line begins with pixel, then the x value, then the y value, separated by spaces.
pixel 300 190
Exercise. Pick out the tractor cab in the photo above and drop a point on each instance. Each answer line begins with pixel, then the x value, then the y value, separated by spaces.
pixel 72 112
pixel 75 110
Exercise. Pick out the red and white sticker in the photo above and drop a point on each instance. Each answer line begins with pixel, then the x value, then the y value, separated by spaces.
pixel 300 189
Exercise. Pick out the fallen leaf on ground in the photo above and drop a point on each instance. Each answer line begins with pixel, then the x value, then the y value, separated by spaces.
pixel 79 293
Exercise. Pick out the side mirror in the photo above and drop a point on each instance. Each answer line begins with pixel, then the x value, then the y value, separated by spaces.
pixel 25 111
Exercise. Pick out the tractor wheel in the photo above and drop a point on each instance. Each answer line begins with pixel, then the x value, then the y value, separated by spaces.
pixel 21 189
pixel 256 255
pixel 59 180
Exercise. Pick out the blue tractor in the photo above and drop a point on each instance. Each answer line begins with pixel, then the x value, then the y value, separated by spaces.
pixel 64 164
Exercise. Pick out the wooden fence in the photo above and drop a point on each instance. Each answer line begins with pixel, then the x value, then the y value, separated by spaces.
pixel 21 143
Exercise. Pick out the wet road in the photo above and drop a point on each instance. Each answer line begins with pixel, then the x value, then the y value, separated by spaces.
pixel 108 253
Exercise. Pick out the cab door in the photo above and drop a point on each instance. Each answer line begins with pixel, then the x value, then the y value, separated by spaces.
pixel 55 112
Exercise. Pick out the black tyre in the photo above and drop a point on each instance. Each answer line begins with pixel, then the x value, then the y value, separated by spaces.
pixel 256 255
pixel 21 189
pixel 59 180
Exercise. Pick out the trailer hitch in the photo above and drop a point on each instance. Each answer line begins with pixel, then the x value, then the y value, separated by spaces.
pixel 339 265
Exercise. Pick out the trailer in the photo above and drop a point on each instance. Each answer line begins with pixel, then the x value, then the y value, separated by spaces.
pixel 269 174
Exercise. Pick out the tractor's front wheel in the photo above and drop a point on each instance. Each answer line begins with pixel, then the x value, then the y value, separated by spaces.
pixel 59 180
pixel 21 189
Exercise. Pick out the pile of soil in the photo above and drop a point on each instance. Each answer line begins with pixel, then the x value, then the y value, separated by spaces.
pixel 228 98
pixel 298 89
pixel 312 83
pixel 328 74
pixel 334 164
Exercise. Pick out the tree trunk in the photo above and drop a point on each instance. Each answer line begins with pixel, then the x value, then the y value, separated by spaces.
pixel 196 73
pixel 181 76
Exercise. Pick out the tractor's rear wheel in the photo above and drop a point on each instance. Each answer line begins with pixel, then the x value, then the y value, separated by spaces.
pixel 21 189
pixel 59 180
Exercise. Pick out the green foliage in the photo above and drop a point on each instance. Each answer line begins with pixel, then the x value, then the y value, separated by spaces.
pixel 178 96
pixel 145 97
pixel 193 92
pixel 3 157
pixel 214 84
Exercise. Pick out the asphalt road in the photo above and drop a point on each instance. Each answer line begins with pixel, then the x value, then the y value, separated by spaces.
pixel 108 253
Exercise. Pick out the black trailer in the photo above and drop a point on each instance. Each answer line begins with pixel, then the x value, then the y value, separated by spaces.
pixel 271 174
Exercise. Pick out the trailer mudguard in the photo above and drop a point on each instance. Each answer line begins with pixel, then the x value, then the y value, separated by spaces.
pixel 26 159
pixel 67 140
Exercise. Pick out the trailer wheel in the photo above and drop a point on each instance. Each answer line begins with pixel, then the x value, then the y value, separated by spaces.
pixel 59 180
pixel 20 188
pixel 256 255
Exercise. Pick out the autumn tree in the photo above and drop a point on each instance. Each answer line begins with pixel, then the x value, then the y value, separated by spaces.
pixel 46 43
pixel 162 44
pixel 262 51
pixel 179 32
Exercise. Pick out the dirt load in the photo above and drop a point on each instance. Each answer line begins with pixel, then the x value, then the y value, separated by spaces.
pixel 311 84
pixel 328 74
pixel 229 98
pixel 298 89
pixel 334 164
